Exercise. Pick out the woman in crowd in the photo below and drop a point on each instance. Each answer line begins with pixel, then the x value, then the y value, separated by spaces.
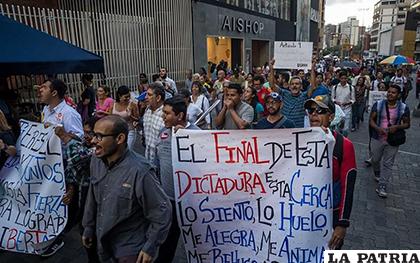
pixel 193 112
pixel 250 79
pixel 205 81
pixel 128 110
pixel 144 83
pixel 198 99
pixel 382 86
pixel 250 97
pixel 358 106
pixel 7 140
pixel 104 102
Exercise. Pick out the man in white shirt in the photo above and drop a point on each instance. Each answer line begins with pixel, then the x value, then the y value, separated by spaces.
pixel 163 74
pixel 400 81
pixel 57 112
pixel 379 79
pixel 343 94
pixel 67 122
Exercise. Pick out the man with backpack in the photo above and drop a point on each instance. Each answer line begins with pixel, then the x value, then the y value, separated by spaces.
pixel 321 113
pixel 344 96
pixel 402 82
pixel 388 120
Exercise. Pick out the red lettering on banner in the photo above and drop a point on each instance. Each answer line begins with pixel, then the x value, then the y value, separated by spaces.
pixel 213 184
pixel 246 153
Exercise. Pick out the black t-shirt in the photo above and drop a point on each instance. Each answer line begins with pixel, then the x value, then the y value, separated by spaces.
pixel 89 92
pixel 335 82
pixel 305 84
pixel 265 124
pixel 9 139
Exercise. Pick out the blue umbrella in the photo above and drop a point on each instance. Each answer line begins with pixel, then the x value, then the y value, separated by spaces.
pixel 348 64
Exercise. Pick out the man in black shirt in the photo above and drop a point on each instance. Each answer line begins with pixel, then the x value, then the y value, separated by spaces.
pixel 275 119
pixel 89 93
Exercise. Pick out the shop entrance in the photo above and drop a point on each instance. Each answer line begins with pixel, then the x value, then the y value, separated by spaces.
pixel 227 49
pixel 260 52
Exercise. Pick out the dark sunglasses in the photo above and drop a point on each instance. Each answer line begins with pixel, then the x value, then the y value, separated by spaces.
pixel 318 110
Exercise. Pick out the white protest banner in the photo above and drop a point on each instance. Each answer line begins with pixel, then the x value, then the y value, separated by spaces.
pixel 31 190
pixel 254 196
pixel 293 55
pixel 375 96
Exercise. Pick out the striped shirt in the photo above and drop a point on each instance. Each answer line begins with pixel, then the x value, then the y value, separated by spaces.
pixel 293 107
pixel 153 124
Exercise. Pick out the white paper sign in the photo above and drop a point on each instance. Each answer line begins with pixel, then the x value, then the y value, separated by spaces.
pixel 293 55
pixel 31 190
pixel 375 96
pixel 254 196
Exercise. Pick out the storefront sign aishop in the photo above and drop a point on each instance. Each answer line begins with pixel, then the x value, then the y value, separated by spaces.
pixel 242 25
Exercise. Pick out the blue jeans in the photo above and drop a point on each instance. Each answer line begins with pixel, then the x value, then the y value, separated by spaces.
pixel 358 110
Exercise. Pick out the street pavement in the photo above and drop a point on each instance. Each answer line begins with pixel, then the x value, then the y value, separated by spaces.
pixel 391 223
pixel 376 223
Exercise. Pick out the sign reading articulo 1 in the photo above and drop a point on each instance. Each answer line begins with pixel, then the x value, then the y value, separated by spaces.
pixel 293 55
pixel 242 25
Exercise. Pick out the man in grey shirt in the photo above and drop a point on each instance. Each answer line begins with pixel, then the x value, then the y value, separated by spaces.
pixel 174 116
pixel 126 209
pixel 235 114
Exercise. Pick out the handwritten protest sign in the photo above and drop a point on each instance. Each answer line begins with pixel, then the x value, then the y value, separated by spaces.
pixel 254 196
pixel 375 96
pixel 293 55
pixel 31 189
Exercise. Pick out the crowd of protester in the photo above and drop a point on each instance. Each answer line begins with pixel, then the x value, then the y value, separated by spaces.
pixel 117 149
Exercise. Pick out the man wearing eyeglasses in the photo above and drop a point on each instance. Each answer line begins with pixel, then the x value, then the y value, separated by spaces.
pixel 126 209
pixel 321 113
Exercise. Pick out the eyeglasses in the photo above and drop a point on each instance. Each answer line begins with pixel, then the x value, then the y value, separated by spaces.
pixel 99 137
pixel 318 110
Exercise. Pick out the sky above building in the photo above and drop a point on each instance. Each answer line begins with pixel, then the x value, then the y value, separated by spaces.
pixel 337 11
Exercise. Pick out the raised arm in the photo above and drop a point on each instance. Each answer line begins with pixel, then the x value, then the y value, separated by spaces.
pixel 313 79
pixel 271 77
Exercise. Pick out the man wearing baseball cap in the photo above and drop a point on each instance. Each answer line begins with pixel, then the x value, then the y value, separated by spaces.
pixel 275 119
pixel 321 113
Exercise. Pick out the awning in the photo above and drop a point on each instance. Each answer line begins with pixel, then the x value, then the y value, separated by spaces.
pixel 24 51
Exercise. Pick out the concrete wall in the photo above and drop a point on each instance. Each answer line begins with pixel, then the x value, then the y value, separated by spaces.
pixel 384 40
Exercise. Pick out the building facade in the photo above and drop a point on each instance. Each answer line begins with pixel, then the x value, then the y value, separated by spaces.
pixel 329 32
pixel 387 15
pixel 132 36
pixel 137 37
pixel 239 33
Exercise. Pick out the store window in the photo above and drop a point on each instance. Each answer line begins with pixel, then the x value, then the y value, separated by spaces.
pixel 226 49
